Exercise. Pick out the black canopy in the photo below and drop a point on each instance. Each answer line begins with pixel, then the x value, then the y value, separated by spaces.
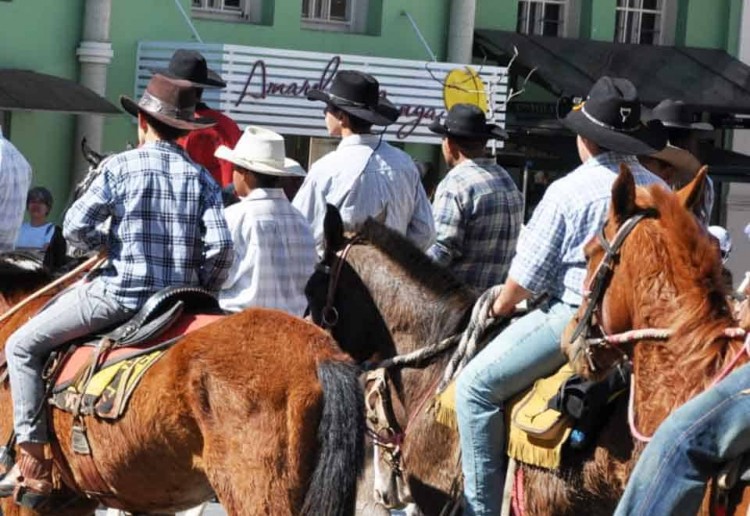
pixel 710 80
pixel 24 90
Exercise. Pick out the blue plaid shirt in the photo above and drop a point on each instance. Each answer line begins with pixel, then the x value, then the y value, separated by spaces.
pixel 167 224
pixel 478 213
pixel 549 257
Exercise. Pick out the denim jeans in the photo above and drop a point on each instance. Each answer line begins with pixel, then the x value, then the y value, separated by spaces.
pixel 688 447
pixel 76 312
pixel 524 352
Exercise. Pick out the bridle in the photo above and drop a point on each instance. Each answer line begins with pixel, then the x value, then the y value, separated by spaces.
pixel 329 315
pixel 597 285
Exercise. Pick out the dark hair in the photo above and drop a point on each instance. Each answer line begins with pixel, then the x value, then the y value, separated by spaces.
pixel 469 146
pixel 165 132
pixel 261 180
pixel 356 124
pixel 40 193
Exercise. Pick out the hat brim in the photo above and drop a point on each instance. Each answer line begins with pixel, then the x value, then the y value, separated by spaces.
pixel 213 81
pixel 682 160
pixel 290 169
pixel 133 108
pixel 385 113
pixel 647 139
pixel 491 131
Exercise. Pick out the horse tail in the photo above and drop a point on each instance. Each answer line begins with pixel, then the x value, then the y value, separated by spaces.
pixel 341 432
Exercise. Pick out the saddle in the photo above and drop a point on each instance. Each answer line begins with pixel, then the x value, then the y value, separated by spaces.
pixel 97 375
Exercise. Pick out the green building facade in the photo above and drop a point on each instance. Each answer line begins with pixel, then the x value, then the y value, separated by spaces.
pixel 43 36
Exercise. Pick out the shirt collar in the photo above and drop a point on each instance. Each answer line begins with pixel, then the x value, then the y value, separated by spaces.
pixel 360 139
pixel 265 193
pixel 611 157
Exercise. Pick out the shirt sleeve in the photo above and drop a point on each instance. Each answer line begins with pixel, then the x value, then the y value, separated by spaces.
pixel 310 201
pixel 539 248
pixel 241 264
pixel 83 222
pixel 421 229
pixel 450 227
pixel 218 251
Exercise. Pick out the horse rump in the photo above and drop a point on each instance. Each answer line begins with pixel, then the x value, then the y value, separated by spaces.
pixel 341 432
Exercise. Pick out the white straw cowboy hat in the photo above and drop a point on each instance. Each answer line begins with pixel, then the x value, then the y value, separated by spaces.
pixel 260 150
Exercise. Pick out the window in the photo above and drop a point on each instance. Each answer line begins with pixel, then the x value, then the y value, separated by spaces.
pixel 218 6
pixel 639 21
pixel 327 10
pixel 249 10
pixel 541 17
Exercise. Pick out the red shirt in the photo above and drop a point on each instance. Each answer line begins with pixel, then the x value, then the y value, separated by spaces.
pixel 202 143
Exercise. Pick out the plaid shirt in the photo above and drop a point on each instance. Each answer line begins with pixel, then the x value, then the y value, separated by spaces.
pixel 478 213
pixel 549 257
pixel 15 179
pixel 275 254
pixel 167 223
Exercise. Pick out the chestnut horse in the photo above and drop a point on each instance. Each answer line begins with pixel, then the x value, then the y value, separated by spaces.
pixel 260 408
pixel 667 275
pixel 391 300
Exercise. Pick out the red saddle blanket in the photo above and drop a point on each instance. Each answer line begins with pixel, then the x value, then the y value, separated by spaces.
pixel 80 358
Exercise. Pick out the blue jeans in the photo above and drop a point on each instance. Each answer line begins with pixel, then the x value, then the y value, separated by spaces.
pixel 688 447
pixel 527 350
pixel 76 312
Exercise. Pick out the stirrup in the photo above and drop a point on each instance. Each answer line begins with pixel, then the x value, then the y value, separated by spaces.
pixel 35 485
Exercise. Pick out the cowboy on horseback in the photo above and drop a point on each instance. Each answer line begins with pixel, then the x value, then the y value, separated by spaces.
pixel 550 259
pixel 167 228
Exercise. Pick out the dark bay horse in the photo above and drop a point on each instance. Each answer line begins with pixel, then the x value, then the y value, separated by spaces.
pixel 391 299
pixel 667 274
pixel 261 408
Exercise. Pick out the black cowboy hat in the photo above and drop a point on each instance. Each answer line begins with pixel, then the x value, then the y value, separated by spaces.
pixel 611 118
pixel 190 65
pixel 469 122
pixel 169 101
pixel 358 94
pixel 676 114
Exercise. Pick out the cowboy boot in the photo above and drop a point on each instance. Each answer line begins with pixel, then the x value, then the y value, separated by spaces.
pixel 35 484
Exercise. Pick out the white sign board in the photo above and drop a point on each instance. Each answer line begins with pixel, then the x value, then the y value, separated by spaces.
pixel 268 86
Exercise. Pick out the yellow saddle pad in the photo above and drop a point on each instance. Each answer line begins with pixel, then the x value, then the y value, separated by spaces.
pixel 536 434
pixel 108 392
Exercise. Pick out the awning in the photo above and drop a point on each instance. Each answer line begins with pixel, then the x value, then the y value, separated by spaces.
pixel 24 90
pixel 710 80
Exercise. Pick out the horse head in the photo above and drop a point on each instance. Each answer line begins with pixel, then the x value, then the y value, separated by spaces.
pixel 652 266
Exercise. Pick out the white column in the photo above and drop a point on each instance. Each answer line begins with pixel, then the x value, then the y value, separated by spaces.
pixel 94 54
pixel 461 30
pixel 738 198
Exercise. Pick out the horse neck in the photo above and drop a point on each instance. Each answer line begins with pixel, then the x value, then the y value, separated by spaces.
pixel 415 315
pixel 668 373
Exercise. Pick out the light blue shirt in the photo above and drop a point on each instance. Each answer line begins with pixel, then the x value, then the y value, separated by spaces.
pixel 367 177
pixel 15 179
pixel 549 257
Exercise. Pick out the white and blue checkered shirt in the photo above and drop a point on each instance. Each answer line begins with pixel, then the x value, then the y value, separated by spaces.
pixel 478 213
pixel 167 224
pixel 15 179
pixel 274 254
pixel 549 257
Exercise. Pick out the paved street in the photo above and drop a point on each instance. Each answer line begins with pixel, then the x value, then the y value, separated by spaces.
pixel 214 509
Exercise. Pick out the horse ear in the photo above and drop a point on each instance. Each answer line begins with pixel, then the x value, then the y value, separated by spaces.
pixel 333 229
pixel 93 157
pixel 691 194
pixel 623 195
pixel 382 216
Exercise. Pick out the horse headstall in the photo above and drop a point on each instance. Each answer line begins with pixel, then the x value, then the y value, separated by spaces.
pixel 329 315
pixel 597 286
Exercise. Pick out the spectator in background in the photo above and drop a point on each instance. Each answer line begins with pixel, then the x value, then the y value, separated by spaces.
pixel 189 65
pixel 38 235
pixel 478 209
pixel 15 179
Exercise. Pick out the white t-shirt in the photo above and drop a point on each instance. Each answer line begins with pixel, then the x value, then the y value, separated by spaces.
pixel 31 237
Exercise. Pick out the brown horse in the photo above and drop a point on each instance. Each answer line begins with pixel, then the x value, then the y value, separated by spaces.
pixel 261 408
pixel 391 299
pixel 667 275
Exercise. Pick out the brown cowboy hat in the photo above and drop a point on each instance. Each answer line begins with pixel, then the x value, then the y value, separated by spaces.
pixel 171 102
pixel 685 164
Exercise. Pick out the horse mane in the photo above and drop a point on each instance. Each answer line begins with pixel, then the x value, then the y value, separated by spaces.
pixel 415 263
pixel 21 272
pixel 702 312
